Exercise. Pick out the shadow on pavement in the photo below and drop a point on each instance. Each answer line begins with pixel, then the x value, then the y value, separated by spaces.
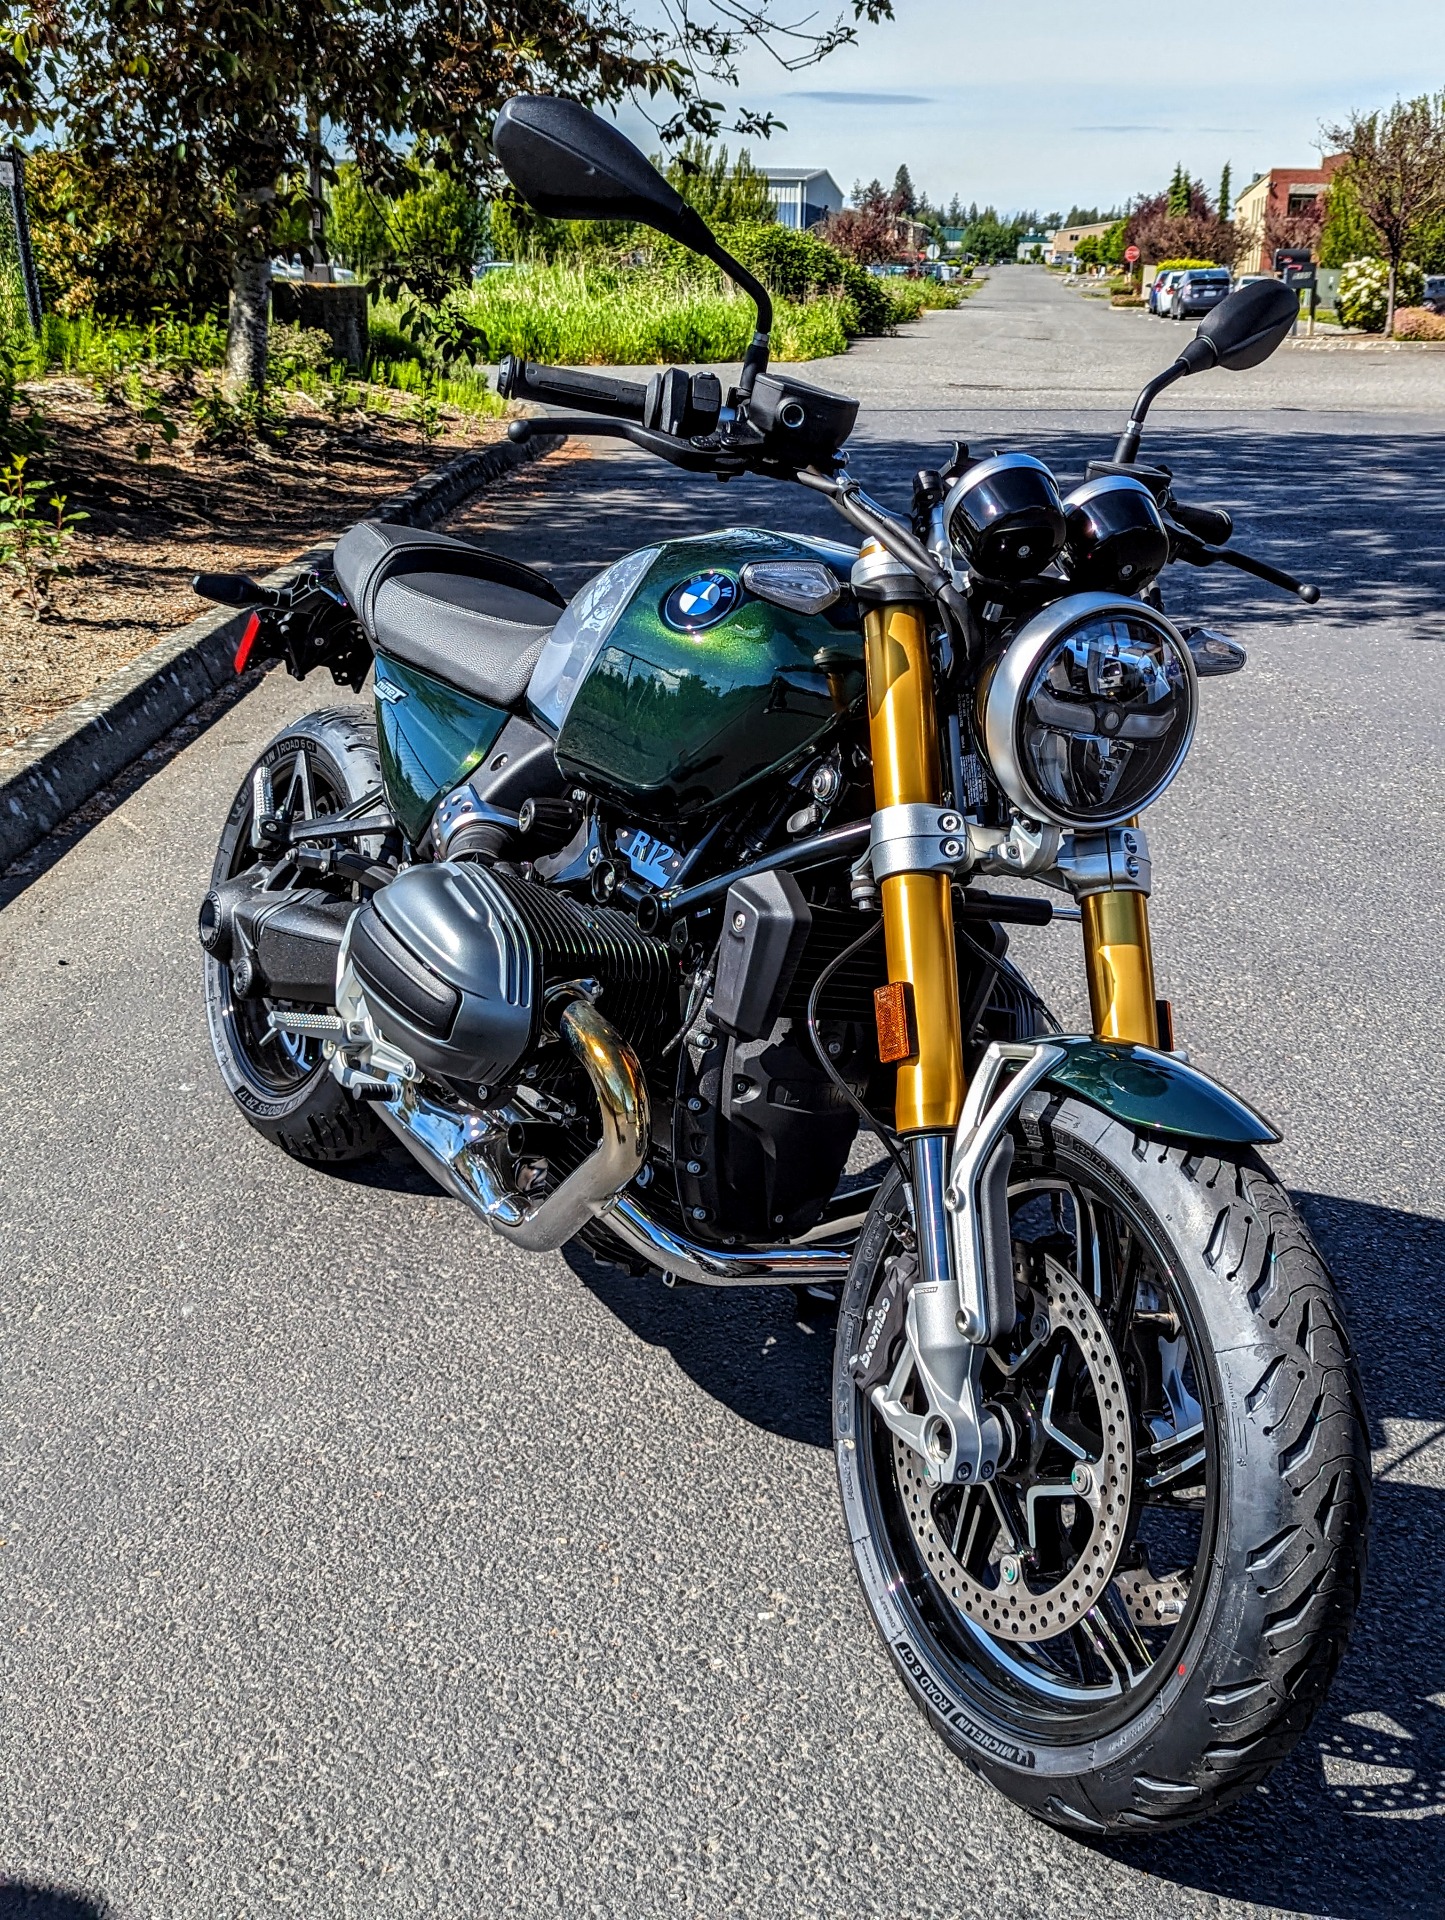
pixel 755 1349
pixel 26 1900
pixel 1353 1824
pixel 1357 514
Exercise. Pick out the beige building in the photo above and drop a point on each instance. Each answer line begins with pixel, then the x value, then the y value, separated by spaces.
pixel 1064 243
pixel 1269 203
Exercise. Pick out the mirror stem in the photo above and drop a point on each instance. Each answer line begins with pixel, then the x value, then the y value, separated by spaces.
pixel 755 360
pixel 1129 440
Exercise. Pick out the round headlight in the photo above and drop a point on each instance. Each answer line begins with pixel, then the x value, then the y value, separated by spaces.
pixel 1089 713
pixel 1117 542
pixel 1006 516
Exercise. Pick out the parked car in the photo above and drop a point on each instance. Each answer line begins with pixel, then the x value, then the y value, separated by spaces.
pixel 1434 294
pixel 1197 291
pixel 1163 286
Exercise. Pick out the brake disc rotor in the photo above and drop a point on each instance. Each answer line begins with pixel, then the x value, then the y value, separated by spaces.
pixel 1013 1600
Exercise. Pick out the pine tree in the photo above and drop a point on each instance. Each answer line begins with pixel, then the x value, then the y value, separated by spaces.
pixel 905 199
pixel 1224 200
pixel 1178 202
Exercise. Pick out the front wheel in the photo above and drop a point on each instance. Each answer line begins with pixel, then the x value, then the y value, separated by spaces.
pixel 1136 1619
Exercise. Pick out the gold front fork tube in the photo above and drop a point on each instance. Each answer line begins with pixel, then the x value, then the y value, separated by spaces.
pixel 1120 967
pixel 917 911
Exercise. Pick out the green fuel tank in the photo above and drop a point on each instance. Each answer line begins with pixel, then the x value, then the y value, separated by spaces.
pixel 691 670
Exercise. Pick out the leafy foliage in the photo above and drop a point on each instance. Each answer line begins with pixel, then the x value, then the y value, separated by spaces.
pixel 431 233
pixel 1395 162
pixel 36 531
pixel 220 106
pixel 1419 323
pixel 724 191
pixel 1180 223
pixel 125 237
pixel 1363 299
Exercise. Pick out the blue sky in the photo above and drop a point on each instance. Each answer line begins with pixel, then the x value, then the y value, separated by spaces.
pixel 1047 103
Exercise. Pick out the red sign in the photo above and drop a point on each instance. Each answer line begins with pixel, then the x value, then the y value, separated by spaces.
pixel 1131 254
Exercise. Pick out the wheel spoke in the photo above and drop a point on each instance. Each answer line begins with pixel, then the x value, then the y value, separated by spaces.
pixel 1116 1641
pixel 1174 1457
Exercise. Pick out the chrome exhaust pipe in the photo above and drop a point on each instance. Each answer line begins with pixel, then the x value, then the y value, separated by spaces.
pixel 798 1265
pixel 463 1150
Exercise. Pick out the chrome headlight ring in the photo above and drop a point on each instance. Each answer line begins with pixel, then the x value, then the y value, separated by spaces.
pixel 1090 711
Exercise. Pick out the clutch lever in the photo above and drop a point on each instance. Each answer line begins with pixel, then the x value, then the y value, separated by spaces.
pixel 1186 547
pixel 666 446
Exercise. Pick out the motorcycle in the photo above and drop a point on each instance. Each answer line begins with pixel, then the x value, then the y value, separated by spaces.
pixel 589 917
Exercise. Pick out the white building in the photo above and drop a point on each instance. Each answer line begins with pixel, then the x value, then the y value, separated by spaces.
pixel 803 195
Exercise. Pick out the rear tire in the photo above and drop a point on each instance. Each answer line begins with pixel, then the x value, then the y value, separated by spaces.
pixel 1242 1651
pixel 285 1089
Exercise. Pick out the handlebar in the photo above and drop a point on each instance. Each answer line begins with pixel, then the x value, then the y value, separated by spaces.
pixel 1214 524
pixel 234 590
pixel 560 387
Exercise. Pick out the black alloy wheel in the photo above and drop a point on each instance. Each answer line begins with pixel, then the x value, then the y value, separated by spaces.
pixel 1135 1618
pixel 324 764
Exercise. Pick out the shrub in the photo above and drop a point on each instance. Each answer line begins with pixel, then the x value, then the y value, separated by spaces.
pixel 1419 323
pixel 1364 292
pixel 35 535
pixel 1167 266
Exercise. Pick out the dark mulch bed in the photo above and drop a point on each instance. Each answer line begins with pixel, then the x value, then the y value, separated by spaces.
pixel 151 527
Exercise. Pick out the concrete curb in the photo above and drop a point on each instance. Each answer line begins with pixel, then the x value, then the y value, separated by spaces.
pixel 48 775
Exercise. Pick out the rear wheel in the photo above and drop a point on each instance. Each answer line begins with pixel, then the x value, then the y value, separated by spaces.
pixel 323 764
pixel 1135 1621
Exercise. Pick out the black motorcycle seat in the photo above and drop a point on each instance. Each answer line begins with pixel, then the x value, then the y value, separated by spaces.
pixel 471 618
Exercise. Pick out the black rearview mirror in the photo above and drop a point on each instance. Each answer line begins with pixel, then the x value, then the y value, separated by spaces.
pixel 1242 331
pixel 1246 328
pixel 571 165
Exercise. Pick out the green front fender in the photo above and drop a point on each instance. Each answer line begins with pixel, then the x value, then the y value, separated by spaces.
pixel 1154 1091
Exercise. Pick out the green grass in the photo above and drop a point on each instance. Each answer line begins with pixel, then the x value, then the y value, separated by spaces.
pixel 102 349
pixel 609 316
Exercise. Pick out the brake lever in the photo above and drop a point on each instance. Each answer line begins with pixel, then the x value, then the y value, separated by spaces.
pixel 1186 547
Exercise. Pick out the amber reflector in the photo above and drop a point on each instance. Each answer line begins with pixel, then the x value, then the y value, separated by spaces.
pixel 893 1010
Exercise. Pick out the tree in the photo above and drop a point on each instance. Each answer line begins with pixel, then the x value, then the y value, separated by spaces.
pixel 1225 203
pixel 905 200
pixel 867 231
pixel 227 103
pixel 1345 234
pixel 722 192
pixel 123 236
pixel 432 233
pixel 1196 233
pixel 1395 162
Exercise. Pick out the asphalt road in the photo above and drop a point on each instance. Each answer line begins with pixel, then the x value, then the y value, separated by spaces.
pixel 353 1565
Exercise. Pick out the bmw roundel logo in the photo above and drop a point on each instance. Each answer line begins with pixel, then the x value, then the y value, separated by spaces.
pixel 700 602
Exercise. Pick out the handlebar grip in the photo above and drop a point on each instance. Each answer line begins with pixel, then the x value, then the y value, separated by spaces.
pixel 560 387
pixel 1213 524
pixel 232 590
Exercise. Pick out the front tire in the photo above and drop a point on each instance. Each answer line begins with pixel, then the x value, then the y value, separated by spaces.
pixel 1236 1571
pixel 324 763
